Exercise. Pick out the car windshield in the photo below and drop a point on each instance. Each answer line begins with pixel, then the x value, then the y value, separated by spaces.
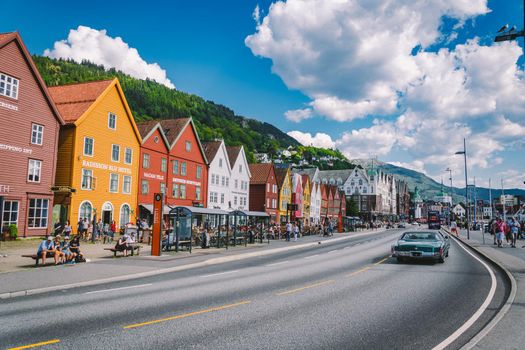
pixel 420 236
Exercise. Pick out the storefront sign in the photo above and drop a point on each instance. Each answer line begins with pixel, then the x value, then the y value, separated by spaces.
pixel 154 176
pixel 5 189
pixel 188 182
pixel 96 165
pixel 16 149
pixel 8 106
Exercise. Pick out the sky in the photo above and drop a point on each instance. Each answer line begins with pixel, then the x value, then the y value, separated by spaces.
pixel 401 80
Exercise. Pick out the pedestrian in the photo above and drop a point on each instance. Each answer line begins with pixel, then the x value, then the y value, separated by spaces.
pixel 85 226
pixel 500 232
pixel 80 227
pixel 100 229
pixel 454 228
pixel 288 231
pixel 514 230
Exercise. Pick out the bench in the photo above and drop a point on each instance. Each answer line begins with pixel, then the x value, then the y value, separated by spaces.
pixel 169 245
pixel 49 255
pixel 135 247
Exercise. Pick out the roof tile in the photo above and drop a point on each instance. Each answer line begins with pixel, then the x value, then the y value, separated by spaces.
pixel 173 128
pixel 260 173
pixel 210 149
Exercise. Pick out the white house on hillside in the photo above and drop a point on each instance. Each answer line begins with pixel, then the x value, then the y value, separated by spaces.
pixel 240 178
pixel 219 174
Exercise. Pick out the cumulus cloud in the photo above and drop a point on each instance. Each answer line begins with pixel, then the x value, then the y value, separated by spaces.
pixel 319 140
pixel 85 43
pixel 299 115
pixel 416 165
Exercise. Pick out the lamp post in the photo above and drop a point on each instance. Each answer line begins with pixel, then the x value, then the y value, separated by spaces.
pixel 505 34
pixel 464 153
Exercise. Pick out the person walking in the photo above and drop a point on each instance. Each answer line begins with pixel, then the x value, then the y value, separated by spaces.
pixel 295 232
pixel 68 230
pixel 514 230
pixel 500 232
pixel 288 231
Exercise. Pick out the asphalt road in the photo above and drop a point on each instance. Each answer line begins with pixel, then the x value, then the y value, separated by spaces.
pixel 345 295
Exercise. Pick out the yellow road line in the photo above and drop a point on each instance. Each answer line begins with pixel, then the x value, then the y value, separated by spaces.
pixel 52 341
pixel 381 261
pixel 359 271
pixel 136 325
pixel 306 287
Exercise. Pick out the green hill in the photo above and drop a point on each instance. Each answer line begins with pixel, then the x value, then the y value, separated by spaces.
pixel 151 100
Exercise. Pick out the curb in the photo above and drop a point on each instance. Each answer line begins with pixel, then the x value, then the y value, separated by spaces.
pixel 209 262
pixel 504 309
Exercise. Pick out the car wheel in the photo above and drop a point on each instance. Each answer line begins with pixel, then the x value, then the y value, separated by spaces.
pixel 400 259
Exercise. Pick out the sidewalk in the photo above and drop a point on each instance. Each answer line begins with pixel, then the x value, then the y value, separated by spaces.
pixel 508 333
pixel 102 267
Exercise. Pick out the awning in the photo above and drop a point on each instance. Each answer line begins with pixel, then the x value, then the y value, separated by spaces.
pixel 149 207
pixel 199 210
pixel 250 213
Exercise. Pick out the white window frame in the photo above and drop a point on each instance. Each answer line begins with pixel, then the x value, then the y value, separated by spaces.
pixel 112 149
pixel 92 146
pixel 222 198
pixel 146 164
pixel 188 146
pixel 37 136
pixel 11 84
pixel 110 114
pixel 120 214
pixel 163 165
pixel 175 191
pixel 183 169
pixel 90 187
pixel 116 187
pixel 182 186
pixel 124 178
pixel 162 188
pixel 198 193
pixel 126 155
pixel 90 210
pixel 146 184
pixel 34 169
pixel 39 217
pixel 9 211
pixel 198 173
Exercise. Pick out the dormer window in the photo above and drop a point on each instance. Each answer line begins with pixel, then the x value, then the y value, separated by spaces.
pixel 220 162
pixel 112 121
pixel 8 86
pixel 188 146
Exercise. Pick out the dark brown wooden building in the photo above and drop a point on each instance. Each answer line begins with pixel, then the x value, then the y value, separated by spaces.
pixel 30 125
pixel 264 193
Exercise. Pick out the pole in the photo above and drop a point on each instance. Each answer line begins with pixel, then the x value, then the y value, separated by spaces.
pixel 490 201
pixel 466 186
pixel 503 202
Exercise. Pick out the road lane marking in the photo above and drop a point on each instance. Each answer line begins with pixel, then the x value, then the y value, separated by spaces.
pixel 311 256
pixel 277 263
pixel 218 308
pixel 381 261
pixel 331 251
pixel 35 345
pixel 121 288
pixel 359 271
pixel 306 287
pixel 478 313
pixel 220 273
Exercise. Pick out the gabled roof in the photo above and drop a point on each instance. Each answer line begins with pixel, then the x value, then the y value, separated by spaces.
pixel 147 128
pixel 233 153
pixel 211 148
pixel 173 128
pixel 5 39
pixel 76 101
pixel 260 173
pixel 306 181
pixel 280 176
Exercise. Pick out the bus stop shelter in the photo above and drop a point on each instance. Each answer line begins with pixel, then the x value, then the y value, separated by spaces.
pixel 253 218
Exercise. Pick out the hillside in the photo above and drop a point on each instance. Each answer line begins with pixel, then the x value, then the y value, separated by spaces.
pixel 150 100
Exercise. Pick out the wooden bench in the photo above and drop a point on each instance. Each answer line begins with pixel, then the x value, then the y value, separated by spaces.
pixel 135 247
pixel 49 255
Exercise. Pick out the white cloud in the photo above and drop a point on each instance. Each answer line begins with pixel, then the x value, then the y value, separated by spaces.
pixel 416 165
pixel 299 115
pixel 257 14
pixel 319 140
pixel 96 46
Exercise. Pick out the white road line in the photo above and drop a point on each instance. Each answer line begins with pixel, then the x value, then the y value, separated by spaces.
pixel 278 263
pixel 121 288
pixel 311 256
pixel 331 251
pixel 478 313
pixel 221 273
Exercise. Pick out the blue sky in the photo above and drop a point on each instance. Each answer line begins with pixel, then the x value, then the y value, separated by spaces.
pixel 201 47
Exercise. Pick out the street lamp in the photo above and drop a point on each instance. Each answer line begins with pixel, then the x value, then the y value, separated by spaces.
pixel 464 153
pixel 451 195
pixel 505 34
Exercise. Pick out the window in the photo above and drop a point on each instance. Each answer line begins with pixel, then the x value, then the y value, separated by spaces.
pixel 34 169
pixel 227 181
pixel 162 188
pixel 235 200
pixel 113 182
pixel 164 165
pixel 128 156
pixel 220 162
pixel 112 121
pixel 175 191
pixel 236 183
pixel 199 171
pixel 10 214
pixel 240 168
pixel 88 146
pixel 222 198
pixel 87 179
pixel 38 209
pixel 125 212
pixel 188 146
pixel 126 184
pixel 198 193
pixel 115 153
pixel 183 168
pixel 364 190
pixel 145 187
pixel 223 182
pixel 37 134
pixel 183 191
pixel 8 86
pixel 274 188
pixel 267 187
pixel 85 210
pixel 176 167
pixel 360 182
pixel 145 161
pixel 267 202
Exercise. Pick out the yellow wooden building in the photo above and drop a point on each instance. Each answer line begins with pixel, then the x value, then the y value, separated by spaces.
pixel 98 154
pixel 306 199
pixel 284 183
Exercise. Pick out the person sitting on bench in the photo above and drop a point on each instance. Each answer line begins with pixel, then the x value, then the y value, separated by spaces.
pixel 123 245
pixel 47 246
pixel 58 250
pixel 65 247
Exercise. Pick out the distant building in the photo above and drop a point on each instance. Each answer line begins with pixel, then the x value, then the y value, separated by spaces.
pixel 219 175
pixel 264 192
pixel 459 210
pixel 240 179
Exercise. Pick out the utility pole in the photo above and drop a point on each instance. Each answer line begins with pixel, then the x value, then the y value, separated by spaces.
pixel 490 202
pixel 464 153
pixel 503 202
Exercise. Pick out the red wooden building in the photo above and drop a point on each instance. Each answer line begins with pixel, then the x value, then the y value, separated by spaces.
pixel 153 170
pixel 324 201
pixel 264 193
pixel 30 124
pixel 187 182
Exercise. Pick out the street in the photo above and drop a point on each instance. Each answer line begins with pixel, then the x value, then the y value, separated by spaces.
pixel 349 294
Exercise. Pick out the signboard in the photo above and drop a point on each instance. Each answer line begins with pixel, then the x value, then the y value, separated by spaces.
pixel 158 201
pixel 5 189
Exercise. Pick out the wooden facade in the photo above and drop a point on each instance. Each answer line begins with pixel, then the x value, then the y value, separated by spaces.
pixel 30 124
pixel 264 192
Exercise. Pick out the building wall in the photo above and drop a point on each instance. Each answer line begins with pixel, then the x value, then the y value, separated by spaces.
pixel 156 148
pixel 16 118
pixel 219 168
pixel 95 125
pixel 239 176
pixel 285 197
